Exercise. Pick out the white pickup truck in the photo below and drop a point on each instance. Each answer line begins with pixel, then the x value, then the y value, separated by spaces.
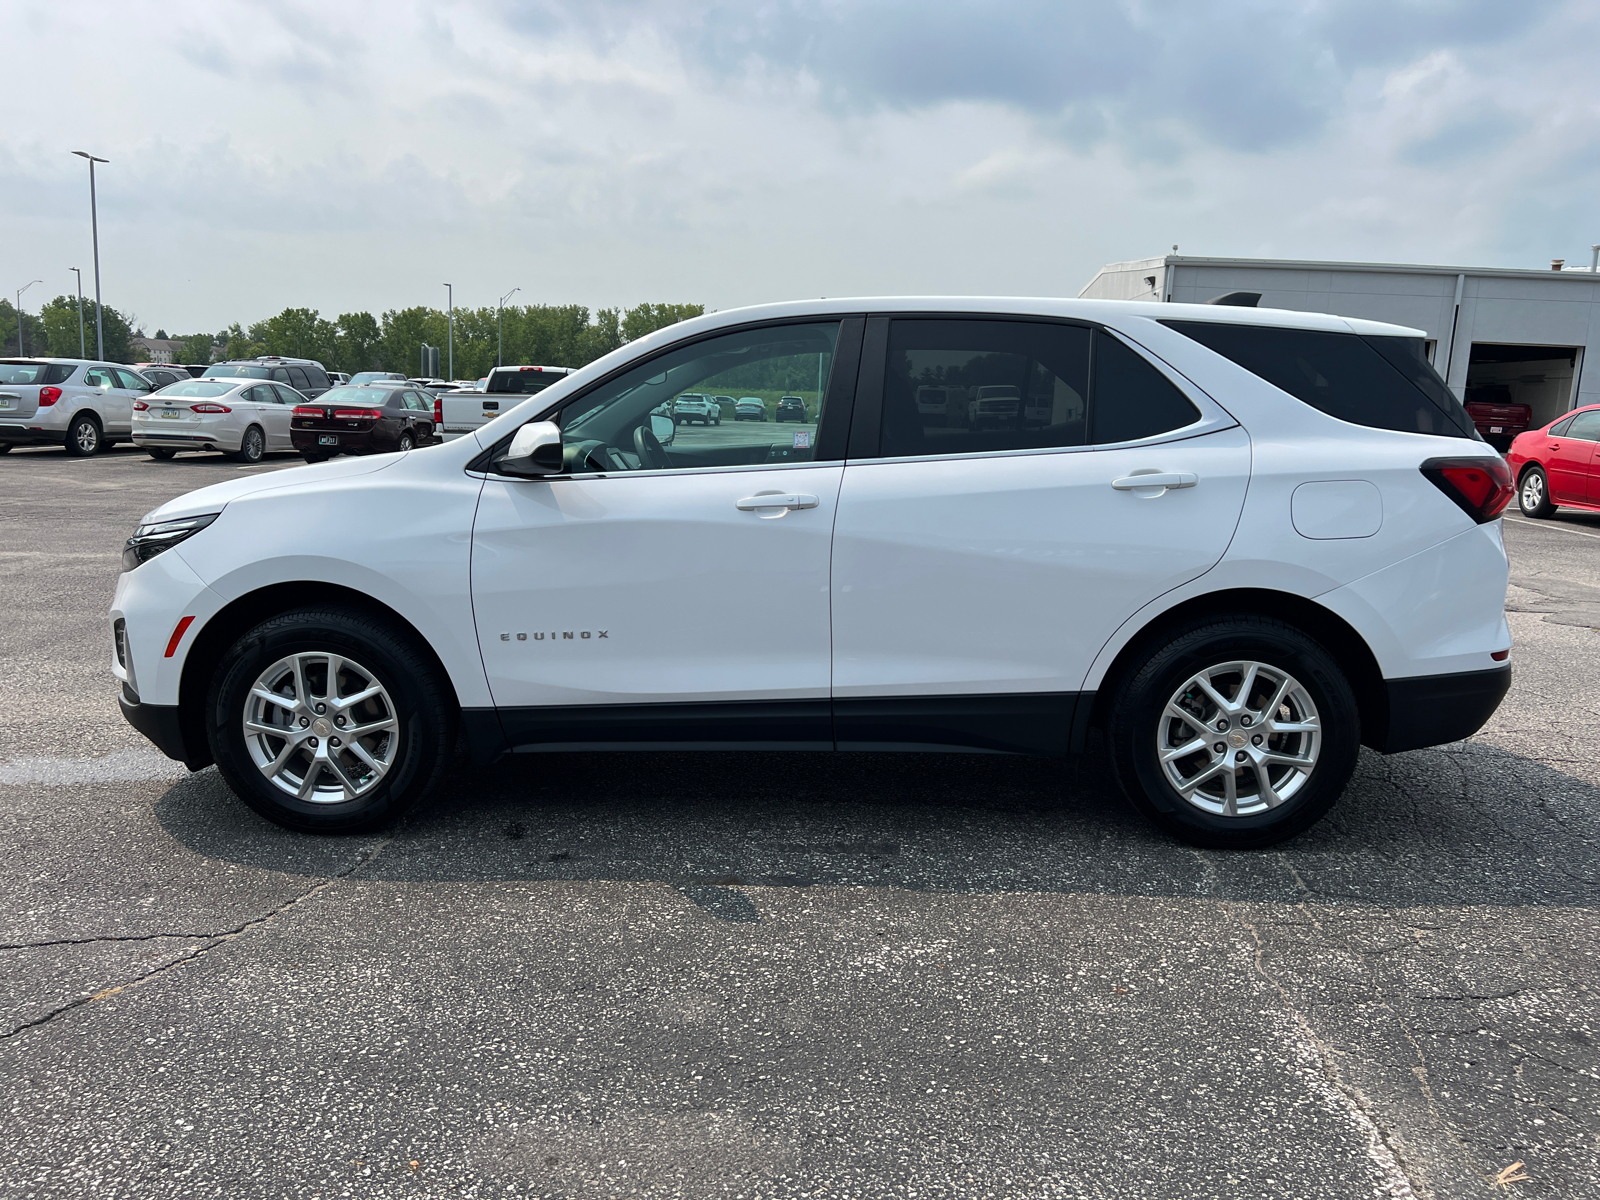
pixel 456 413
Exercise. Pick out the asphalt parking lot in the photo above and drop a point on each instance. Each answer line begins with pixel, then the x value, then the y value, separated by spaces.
pixel 782 975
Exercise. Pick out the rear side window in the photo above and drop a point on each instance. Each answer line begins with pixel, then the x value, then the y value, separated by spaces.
pixel 318 377
pixel 1379 382
pixel 297 379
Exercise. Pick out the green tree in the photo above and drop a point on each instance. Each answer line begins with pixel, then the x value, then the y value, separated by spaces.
pixel 599 339
pixel 297 333
pixel 356 336
pixel 404 332
pixel 196 348
pixel 240 345
pixel 161 335
pixel 647 318
pixel 59 329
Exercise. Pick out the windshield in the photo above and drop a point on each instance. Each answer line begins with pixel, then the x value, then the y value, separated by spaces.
pixel 195 389
pixel 361 377
pixel 235 371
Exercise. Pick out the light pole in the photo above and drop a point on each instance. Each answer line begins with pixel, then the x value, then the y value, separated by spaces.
pixel 450 292
pixel 22 350
pixel 82 353
pixel 500 328
pixel 94 224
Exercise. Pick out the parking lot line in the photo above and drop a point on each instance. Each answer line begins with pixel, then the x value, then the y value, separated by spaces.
pixel 1546 525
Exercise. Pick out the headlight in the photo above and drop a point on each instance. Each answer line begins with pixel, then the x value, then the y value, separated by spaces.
pixel 150 540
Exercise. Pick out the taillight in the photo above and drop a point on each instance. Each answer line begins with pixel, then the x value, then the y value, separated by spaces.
pixel 140 406
pixel 438 411
pixel 209 408
pixel 48 396
pixel 1481 487
pixel 303 411
pixel 356 414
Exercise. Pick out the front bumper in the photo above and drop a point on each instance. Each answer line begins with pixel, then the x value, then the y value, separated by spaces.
pixel 160 723
pixel 17 434
pixel 1430 710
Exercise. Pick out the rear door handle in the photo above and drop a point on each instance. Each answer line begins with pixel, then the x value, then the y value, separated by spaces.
pixel 784 500
pixel 1156 479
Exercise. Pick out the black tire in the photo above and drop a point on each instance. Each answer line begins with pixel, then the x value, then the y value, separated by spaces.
pixel 84 437
pixel 407 442
pixel 1136 722
pixel 5 447
pixel 424 709
pixel 252 446
pixel 1533 494
pixel 160 453
pixel 313 459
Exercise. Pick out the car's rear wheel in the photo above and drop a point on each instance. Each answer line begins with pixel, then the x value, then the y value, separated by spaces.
pixel 1533 497
pixel 313 459
pixel 329 720
pixel 407 442
pixel 5 447
pixel 1234 733
pixel 160 453
pixel 252 446
pixel 84 437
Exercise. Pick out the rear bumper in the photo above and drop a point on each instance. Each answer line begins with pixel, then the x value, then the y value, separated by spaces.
pixel 160 723
pixel 1430 710
pixel 18 434
pixel 349 442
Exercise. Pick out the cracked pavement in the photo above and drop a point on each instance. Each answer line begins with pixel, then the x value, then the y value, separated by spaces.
pixel 783 975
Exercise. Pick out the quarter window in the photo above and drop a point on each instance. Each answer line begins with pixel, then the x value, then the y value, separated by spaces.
pixel 1379 382
pixel 1132 399
pixel 636 421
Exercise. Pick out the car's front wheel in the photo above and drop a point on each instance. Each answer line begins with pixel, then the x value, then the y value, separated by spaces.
pixel 1234 733
pixel 329 720
pixel 1533 497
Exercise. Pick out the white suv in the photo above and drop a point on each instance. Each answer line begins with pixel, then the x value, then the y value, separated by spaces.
pixel 80 405
pixel 1238 543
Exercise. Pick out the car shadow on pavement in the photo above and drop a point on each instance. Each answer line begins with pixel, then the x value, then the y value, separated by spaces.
pixel 1466 824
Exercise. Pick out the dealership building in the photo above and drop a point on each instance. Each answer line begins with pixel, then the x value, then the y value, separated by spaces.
pixel 1493 333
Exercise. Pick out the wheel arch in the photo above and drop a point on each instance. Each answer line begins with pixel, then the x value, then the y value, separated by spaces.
pixel 1522 471
pixel 246 611
pixel 1337 636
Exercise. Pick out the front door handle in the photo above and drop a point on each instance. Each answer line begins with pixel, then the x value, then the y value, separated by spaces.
pixel 1155 479
pixel 779 501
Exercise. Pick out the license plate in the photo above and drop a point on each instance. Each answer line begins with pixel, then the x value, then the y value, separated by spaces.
pixel 327 439
pixel 1497 429
pixel 169 414
pixel 5 401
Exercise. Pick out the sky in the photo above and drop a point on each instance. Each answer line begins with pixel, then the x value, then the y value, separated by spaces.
pixel 344 155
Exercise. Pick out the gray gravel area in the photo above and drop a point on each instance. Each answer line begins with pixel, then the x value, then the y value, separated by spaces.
pixel 782 975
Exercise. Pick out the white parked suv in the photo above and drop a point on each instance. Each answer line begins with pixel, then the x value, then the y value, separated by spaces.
pixel 1246 543
pixel 80 405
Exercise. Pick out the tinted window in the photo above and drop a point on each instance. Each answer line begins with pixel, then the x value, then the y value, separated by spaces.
pixel 1559 428
pixel 1375 382
pixel 30 372
pixel 604 429
pixel 279 375
pixel 317 377
pixel 957 387
pixel 1132 399
pixel 297 378
pixel 1585 425
pixel 523 383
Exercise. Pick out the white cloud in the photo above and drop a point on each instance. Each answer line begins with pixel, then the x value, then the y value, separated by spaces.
pixel 358 155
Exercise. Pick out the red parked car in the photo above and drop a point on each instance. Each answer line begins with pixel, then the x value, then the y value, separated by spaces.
pixel 363 419
pixel 1559 465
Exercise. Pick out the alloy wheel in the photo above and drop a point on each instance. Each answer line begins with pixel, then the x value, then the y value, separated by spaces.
pixel 1239 738
pixel 86 437
pixel 321 728
pixel 1532 492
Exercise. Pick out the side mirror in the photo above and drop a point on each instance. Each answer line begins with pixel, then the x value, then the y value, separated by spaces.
pixel 665 428
pixel 536 451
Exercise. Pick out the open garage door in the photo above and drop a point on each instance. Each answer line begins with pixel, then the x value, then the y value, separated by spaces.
pixel 1499 374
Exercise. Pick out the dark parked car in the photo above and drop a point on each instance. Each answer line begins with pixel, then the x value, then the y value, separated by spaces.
pixel 364 419
pixel 790 408
pixel 304 375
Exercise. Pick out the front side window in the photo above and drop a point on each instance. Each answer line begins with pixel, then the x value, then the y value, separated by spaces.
pixel 1379 382
pixel 634 422
pixel 98 377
